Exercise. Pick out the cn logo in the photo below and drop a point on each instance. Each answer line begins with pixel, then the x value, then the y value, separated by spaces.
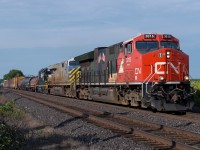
pixel 158 67
pixel 138 70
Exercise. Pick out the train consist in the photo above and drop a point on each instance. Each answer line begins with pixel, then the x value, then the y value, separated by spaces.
pixel 149 70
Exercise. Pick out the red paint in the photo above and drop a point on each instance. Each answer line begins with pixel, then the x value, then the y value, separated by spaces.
pixel 149 67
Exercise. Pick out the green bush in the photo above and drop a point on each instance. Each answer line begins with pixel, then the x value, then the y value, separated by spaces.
pixel 196 86
pixel 10 138
pixel 7 106
pixel 7 109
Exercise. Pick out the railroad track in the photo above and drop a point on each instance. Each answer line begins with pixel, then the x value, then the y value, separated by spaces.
pixel 157 136
pixel 189 116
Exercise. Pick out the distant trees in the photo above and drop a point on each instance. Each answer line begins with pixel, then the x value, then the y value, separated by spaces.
pixel 13 73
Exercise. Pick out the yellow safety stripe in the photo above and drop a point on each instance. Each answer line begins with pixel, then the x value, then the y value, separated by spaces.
pixel 77 76
pixel 74 76
pixel 71 74
pixel 71 70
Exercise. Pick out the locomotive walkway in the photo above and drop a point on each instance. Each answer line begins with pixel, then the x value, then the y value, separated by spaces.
pixel 157 136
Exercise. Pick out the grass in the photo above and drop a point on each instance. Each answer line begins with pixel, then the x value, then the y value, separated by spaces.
pixel 196 85
pixel 8 110
pixel 10 136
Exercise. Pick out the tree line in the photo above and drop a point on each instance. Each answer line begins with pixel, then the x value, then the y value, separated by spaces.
pixel 12 73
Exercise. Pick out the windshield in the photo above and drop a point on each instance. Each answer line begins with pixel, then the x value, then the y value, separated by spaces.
pixel 146 46
pixel 167 44
pixel 73 63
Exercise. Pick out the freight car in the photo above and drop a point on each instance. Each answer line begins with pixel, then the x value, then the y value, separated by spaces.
pixel 26 83
pixel 13 83
pixel 6 84
pixel 33 83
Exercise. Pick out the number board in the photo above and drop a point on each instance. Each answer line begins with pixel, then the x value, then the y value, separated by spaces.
pixel 167 36
pixel 149 36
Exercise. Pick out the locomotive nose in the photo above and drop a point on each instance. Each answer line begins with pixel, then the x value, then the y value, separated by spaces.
pixel 177 68
pixel 171 66
pixel 177 65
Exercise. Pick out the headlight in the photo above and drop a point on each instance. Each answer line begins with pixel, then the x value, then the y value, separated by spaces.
pixel 168 54
pixel 161 78
pixel 187 78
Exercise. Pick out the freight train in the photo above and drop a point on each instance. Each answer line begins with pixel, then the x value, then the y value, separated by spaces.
pixel 148 71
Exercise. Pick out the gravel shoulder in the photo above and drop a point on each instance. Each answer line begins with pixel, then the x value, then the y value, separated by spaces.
pixel 46 128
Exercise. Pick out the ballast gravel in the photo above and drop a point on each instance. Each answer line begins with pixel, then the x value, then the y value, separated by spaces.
pixel 67 132
pixel 150 117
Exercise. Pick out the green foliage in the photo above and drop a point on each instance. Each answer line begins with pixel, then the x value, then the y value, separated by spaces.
pixel 7 110
pixel 10 138
pixel 13 73
pixel 196 86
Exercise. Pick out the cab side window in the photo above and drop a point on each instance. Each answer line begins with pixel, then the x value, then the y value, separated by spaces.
pixel 128 48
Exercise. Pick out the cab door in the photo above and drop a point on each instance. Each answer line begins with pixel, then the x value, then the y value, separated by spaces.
pixel 128 62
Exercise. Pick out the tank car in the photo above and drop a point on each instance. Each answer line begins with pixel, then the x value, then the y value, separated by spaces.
pixel 25 83
pixel 33 83
pixel 148 71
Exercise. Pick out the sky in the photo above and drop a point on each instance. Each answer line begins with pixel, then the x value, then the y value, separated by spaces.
pixel 37 33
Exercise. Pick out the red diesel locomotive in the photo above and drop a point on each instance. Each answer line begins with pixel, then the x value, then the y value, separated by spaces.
pixel 148 70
